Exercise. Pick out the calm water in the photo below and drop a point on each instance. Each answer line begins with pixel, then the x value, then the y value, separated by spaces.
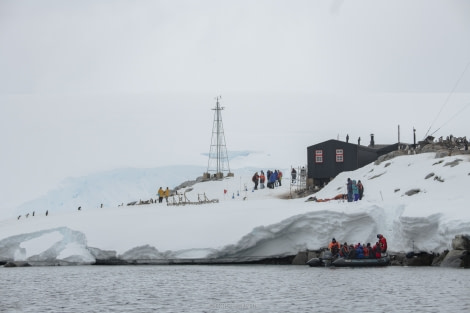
pixel 241 288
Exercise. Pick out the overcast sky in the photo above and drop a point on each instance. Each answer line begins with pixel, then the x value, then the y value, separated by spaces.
pixel 95 85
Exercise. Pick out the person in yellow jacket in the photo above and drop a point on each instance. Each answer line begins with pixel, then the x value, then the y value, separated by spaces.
pixel 161 194
pixel 167 194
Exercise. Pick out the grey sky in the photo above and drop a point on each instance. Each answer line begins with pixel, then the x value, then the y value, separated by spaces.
pixel 90 85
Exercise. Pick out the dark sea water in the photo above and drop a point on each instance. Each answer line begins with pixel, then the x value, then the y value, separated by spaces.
pixel 233 288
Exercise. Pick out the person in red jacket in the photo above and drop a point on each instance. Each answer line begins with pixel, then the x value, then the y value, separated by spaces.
pixel 383 243
pixel 377 250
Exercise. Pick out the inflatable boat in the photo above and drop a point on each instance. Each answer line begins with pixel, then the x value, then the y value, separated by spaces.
pixel 342 262
pixel 327 259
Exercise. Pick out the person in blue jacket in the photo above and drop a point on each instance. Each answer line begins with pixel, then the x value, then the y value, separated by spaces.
pixel 359 251
pixel 272 179
pixel 355 191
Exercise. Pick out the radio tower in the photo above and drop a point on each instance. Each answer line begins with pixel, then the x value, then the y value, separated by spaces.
pixel 218 158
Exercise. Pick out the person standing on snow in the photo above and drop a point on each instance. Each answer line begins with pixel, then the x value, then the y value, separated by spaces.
pixel 360 188
pixel 350 190
pixel 161 194
pixel 262 179
pixel 167 194
pixel 273 179
pixel 255 180
pixel 355 191
pixel 293 174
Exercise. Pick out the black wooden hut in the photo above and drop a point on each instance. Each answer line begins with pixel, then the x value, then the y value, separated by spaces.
pixel 329 158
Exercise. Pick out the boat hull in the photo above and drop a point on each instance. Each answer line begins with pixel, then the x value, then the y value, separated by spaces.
pixel 342 262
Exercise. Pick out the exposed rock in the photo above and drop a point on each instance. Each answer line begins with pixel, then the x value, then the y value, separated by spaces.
pixel 397 259
pixel 102 254
pixel 461 242
pixel 442 153
pixel 390 156
pixel 142 253
pixel 412 192
pixel 439 258
pixel 457 258
pixel 453 163
pixel 111 261
pixel 301 258
pixel 429 176
pixel 17 264
pixel 313 254
pixel 375 176
pixel 418 259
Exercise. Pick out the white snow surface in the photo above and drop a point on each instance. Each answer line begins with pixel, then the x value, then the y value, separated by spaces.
pixel 260 223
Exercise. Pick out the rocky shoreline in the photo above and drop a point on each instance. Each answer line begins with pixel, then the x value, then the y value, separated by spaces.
pixel 458 257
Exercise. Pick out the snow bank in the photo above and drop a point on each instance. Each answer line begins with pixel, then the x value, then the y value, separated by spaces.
pixel 261 223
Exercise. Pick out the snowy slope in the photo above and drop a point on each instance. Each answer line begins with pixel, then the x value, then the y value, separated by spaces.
pixel 110 188
pixel 260 223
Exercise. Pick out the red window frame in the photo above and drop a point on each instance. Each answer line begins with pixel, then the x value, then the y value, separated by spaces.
pixel 339 155
pixel 318 156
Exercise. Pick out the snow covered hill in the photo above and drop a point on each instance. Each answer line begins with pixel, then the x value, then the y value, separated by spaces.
pixel 416 201
pixel 110 188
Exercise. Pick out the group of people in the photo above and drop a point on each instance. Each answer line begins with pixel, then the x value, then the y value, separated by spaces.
pixel 355 190
pixel 273 179
pixel 163 194
pixel 358 251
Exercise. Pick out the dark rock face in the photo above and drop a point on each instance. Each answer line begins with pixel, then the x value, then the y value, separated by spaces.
pixel 300 258
pixel 412 192
pixel 461 242
pixel 460 255
pixel 17 264
pixel 456 258
pixel 439 258
pixel 418 259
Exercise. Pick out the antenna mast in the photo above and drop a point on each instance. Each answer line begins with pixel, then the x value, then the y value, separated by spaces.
pixel 218 157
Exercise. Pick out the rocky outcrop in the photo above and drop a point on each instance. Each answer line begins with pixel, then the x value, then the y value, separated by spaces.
pixel 461 242
pixel 102 254
pixel 460 255
pixel 17 264
pixel 303 256
pixel 418 259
